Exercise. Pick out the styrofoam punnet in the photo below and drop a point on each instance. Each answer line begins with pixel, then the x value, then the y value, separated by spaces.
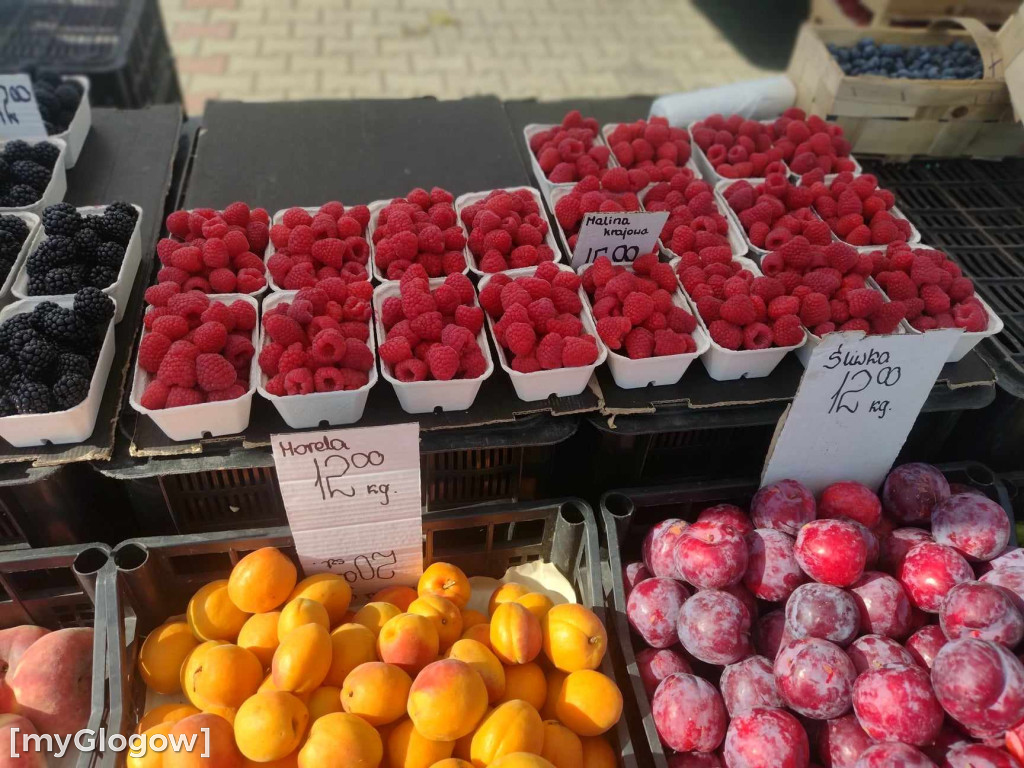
pixel 969 339
pixel 375 208
pixel 430 395
pixel 26 248
pixel 271 250
pixel 914 239
pixel 59 427
pixel 316 408
pixel 80 124
pixel 121 289
pixel 737 242
pixel 613 161
pixel 193 422
pixel 58 185
pixel 711 176
pixel 546 187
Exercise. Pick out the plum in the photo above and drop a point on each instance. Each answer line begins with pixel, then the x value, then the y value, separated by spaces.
pixel 893 548
pixel 785 506
pixel 768 631
pixel 893 755
pixel 1011 557
pixel 1015 741
pixel 883 604
pixel 925 644
pixel 1010 578
pixel 831 552
pixel 975 526
pixel 714 627
pixel 653 610
pixel 711 555
pixel 875 651
pixel 985 611
pixel 839 742
pixel 655 664
pixel 729 514
pixel 748 684
pixel 978 756
pixel 929 571
pixel 633 574
pixel 824 611
pixel 870 541
pixel 742 594
pixel 897 704
pixel 912 490
pixel 772 571
pixel 694 760
pixel 852 500
pixel 815 678
pixel 659 547
pixel 980 684
pixel 766 738
pixel 689 714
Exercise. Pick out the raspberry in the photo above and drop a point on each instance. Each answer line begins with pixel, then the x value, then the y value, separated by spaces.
pixel 443 362
pixel 299 381
pixel 463 287
pixel 291 358
pixel 179 396
pixel 612 331
pixel 566 301
pixel 783 305
pixel 155 396
pixel 887 318
pixel 924 271
pixel 171 326
pixel 158 295
pixel 565 325
pixel 283 329
pixel 473 364
pixel 757 336
pixel 814 309
pixel 549 351
pixel 726 334
pixel 213 372
pixel 457 337
pixel 188 304
pixel 357 355
pixel 864 302
pixel 787 331
pixel 668 342
pixel 177 369
pixel 859 236
pixel 637 307
pixel 411 370
pixel 239 351
pixel 936 301
pixel 395 350
pixel 210 337
pixel 579 351
pixel 738 310
pixel 428 326
pixel 971 316
pixel 469 317
pixel 856 324
pixel 269 358
pixel 900 286
pixel 520 338
pixel 152 350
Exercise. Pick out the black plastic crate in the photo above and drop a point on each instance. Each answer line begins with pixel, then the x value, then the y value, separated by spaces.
pixel 627 515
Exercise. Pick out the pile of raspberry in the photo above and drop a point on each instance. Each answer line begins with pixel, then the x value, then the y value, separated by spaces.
pixel 810 143
pixel 634 309
pixel 431 334
pixel 570 151
pixel 215 252
pixel 507 231
pixel 652 146
pixel 931 286
pixel 826 287
pixel 591 195
pixel 856 209
pixel 197 351
pixel 329 243
pixel 776 211
pixel 423 229
pixel 694 221
pixel 538 319
pixel 733 303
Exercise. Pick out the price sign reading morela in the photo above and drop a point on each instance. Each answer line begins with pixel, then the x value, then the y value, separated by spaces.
pixel 621 237
pixel 855 406
pixel 352 497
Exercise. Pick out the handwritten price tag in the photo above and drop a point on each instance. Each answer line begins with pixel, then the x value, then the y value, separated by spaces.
pixel 352 497
pixel 622 237
pixel 856 404
pixel 19 112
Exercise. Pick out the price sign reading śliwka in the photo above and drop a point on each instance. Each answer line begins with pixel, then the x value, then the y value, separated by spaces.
pixel 19 112
pixel 622 237
pixel 353 502
pixel 855 406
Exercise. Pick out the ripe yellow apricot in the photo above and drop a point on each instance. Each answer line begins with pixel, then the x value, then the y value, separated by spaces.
pixel 328 589
pixel 301 611
pixel 261 580
pixel 162 655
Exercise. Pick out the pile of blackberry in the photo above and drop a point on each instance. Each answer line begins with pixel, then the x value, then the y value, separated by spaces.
pixel 25 171
pixel 79 250
pixel 13 232
pixel 47 356
pixel 58 101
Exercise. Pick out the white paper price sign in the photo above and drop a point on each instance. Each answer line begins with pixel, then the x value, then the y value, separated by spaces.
pixel 855 406
pixel 19 112
pixel 622 237
pixel 352 497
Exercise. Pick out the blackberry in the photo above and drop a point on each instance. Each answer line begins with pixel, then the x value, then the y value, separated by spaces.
pixel 118 226
pixel 61 325
pixel 110 255
pixel 68 363
pixel 94 306
pixel 38 359
pixel 95 223
pixel 57 251
pixel 68 96
pixel 37 285
pixel 86 243
pixel 126 208
pixel 10 246
pixel 17 150
pixel 8 368
pixel 46 154
pixel 39 314
pixel 30 396
pixel 7 405
pixel 33 174
pixel 5 171
pixel 20 195
pixel 102 276
pixel 61 219
pixel 15 332
pixel 14 226
pixel 49 104
pixel 62 281
pixel 70 390
pixel 6 264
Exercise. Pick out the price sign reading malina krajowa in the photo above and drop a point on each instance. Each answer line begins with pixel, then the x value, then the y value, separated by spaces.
pixel 620 236
pixel 353 502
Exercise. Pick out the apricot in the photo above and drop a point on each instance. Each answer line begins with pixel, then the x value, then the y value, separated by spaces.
pixel 574 638
pixel 452 762
pixel 270 725
pixel 589 703
pixel 351 645
pixel 526 682
pixel 301 611
pixel 377 692
pixel 537 603
pixel 408 749
pixel 463 746
pixel 162 655
pixel 447 700
pixel 268 685
pixel 471 618
pixel 191 666
pixel 151 758
pixel 288 761
pixel 515 634
pixel 555 679
pixel 340 740
pixel 302 659
pixel 479 632
pixel 225 677
pixel 259 635
pixel 598 753
pixel 223 752
pixel 514 726
pixel 323 701
pixel 562 747
pixel 212 615
pixel 408 641
pixel 521 760
pixel 328 589
pixel 165 713
pixel 261 580
pixel 443 614
pixel 374 616
pixel 397 596
pixel 445 580
pixel 486 664
pixel 506 593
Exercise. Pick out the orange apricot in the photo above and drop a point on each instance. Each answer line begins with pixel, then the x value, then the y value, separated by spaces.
pixel 589 703
pixel 190 667
pixel 406 748
pixel 302 659
pixel 598 753
pixel 574 638
pixel 328 589
pixel 506 593
pixel 261 580
pixel 408 641
pixel 301 611
pixel 323 701
pixel 452 762
pixel 163 653
pixel 259 635
pixel 537 603
pixel 526 682
pixel 225 677
pixel 562 747
pixel 397 596
pixel 515 634
pixel 445 580
pixel 270 725
pixel 151 758
pixel 212 615
pixel 447 700
pixel 165 713
pixel 480 658
pixel 373 616
pixel 443 614
pixel 377 692
pixel 471 618
pixel 514 726
pixel 521 760
pixel 223 753
pixel 479 632
pixel 341 740
pixel 555 679
pixel 351 645
pixel 268 685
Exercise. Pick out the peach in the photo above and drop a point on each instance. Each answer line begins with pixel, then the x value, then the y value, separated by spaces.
pixel 537 603
pixel 223 752
pixel 443 614
pixel 521 760
pixel 506 593
pixel 526 682
pixel 165 713
pixel 152 758
pixel 301 611
pixel 261 580
pixel 574 638
pixel 351 645
pixel 270 725
pixel 259 635
pixel 162 655
pixel 52 683
pixel 377 692
pixel 514 726
pixel 374 616
pixel 212 615
pixel 515 634
pixel 302 659
pixel 589 703
pixel 447 700
pixel 323 701
pixel 27 758
pixel 445 580
pixel 479 632
pixel 562 747
pixel 408 641
pixel 471 618
pixel 408 749
pixel 555 681
pixel 598 753
pixel 13 643
pixel 226 676
pixel 340 740
pixel 480 658
pixel 328 589
pixel 397 596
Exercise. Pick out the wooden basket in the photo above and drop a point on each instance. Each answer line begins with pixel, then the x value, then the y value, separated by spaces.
pixel 1011 47
pixel 902 117
pixel 886 12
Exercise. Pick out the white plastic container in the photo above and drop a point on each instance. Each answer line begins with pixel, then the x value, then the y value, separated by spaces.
pixel 914 239
pixel 80 124
pixel 560 382
pixel 60 427
pixel 271 250
pixel 613 162
pixel 121 289
pixel 26 247
pixel 546 187
pixel 726 364
pixel 317 408
pixel 830 177
pixel 466 200
pixel 708 171
pixel 737 242
pixel 194 422
pixel 375 208
pixel 57 187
